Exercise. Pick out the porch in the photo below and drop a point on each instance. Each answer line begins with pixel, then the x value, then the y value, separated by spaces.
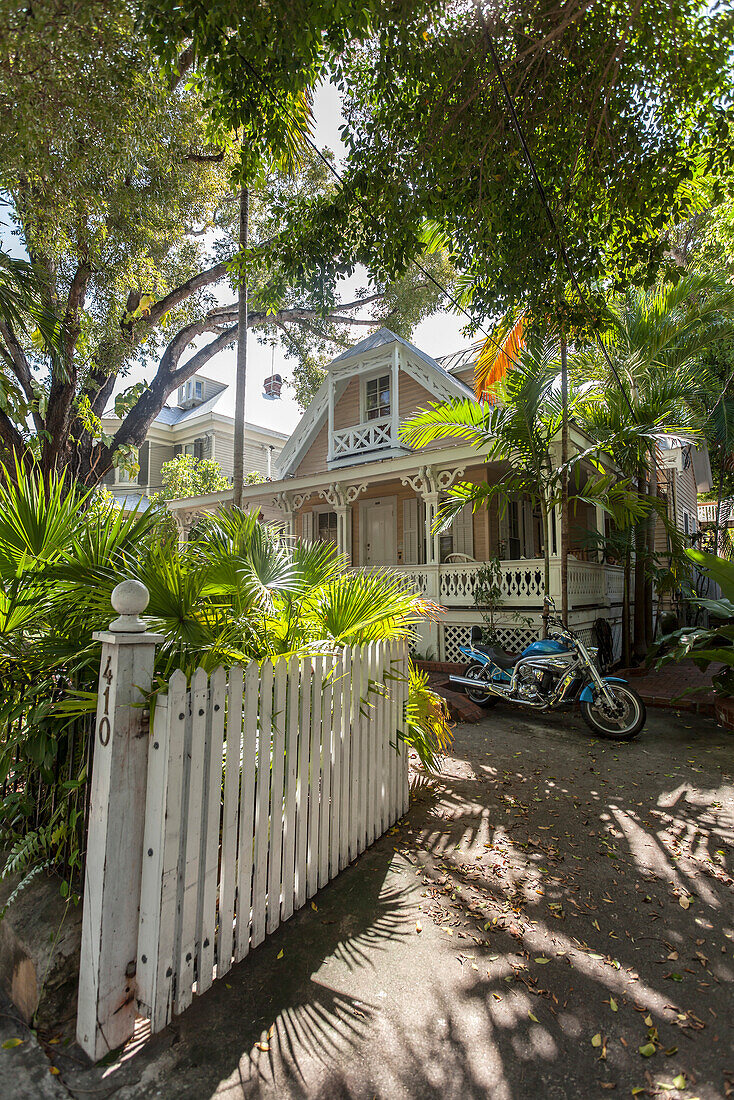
pixel 594 592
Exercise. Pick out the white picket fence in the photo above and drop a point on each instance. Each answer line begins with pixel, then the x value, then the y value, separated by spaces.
pixel 263 783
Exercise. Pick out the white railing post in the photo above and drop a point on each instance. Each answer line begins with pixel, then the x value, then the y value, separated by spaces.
pixel 107 994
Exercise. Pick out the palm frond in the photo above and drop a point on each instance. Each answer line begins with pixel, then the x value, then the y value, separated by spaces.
pixel 500 352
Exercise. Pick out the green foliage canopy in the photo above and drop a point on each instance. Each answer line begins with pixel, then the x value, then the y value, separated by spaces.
pixel 622 124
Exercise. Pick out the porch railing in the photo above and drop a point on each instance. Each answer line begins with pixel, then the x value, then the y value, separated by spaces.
pixel 361 437
pixel 452 585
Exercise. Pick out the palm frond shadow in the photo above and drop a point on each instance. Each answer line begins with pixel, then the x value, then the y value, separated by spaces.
pixel 273 1013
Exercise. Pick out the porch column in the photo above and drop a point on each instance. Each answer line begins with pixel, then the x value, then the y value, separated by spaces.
pixel 433 540
pixel 394 406
pixel 424 486
pixel 600 519
pixel 341 498
pixel 344 529
pixel 182 529
pixel 285 506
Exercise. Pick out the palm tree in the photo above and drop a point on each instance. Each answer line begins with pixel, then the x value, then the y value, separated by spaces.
pixel 239 591
pixel 518 423
pixel 661 407
pixel 656 339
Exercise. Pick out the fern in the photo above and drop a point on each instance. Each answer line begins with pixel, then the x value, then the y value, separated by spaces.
pixel 26 858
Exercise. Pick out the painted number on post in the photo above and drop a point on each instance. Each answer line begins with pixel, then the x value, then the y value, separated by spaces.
pixel 105 729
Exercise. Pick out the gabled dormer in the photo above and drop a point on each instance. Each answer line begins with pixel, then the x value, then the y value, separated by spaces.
pixel 198 389
pixel 355 416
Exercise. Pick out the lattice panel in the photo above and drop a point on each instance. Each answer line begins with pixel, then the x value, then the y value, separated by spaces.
pixel 453 637
pixel 512 638
pixel 515 638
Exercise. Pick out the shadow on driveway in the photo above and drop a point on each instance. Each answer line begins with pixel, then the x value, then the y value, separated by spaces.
pixel 550 905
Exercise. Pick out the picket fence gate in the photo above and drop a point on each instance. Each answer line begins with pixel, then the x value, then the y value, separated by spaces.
pixel 211 823
pixel 263 783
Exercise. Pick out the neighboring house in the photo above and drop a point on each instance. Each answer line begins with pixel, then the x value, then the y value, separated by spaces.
pixel 196 425
pixel 684 471
pixel 707 517
pixel 346 477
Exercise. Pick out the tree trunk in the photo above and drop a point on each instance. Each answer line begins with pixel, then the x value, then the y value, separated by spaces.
pixel 626 640
pixel 651 527
pixel 546 564
pixel 640 649
pixel 564 479
pixel 241 384
pixel 718 547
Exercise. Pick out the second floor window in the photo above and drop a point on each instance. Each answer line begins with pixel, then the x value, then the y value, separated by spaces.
pixel 377 398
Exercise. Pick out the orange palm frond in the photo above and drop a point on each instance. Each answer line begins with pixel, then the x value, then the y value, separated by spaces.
pixel 498 354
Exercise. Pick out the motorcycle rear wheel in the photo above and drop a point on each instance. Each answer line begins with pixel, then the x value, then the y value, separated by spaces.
pixel 481 698
pixel 617 727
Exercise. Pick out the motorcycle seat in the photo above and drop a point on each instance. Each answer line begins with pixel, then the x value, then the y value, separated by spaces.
pixel 497 655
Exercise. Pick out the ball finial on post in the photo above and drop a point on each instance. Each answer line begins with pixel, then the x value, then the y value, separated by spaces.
pixel 129 599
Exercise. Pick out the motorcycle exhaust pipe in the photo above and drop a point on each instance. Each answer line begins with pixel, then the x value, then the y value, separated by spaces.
pixel 466 682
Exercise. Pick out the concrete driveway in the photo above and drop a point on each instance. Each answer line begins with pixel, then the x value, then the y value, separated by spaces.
pixel 551 905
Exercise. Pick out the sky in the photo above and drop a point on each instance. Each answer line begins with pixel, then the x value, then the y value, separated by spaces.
pixel 437 335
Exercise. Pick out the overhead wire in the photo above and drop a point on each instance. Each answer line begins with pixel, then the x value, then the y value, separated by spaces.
pixel 562 250
pixel 340 178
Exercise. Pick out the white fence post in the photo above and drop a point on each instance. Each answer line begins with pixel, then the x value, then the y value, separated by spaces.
pixel 106 1007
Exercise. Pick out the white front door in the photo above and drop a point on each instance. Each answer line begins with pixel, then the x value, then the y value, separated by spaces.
pixel 379 532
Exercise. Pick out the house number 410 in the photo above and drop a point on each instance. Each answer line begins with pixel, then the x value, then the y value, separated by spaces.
pixel 105 729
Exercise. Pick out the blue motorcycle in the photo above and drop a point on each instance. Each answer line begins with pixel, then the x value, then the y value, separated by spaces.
pixel 553 672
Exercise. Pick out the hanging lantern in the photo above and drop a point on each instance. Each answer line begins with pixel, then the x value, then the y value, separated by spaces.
pixel 272 386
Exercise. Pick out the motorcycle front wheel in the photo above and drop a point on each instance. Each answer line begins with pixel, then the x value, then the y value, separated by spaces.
pixel 621 723
pixel 482 698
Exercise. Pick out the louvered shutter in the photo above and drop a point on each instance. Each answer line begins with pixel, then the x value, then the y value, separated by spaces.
pixel 307 526
pixel 463 532
pixel 410 531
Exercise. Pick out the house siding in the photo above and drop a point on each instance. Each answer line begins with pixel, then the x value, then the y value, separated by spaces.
pixel 157 455
pixel 256 457
pixel 314 460
pixel 347 408
pixel 412 396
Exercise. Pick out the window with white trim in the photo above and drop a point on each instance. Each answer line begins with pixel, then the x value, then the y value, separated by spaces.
pixel 377 397
pixel 327 527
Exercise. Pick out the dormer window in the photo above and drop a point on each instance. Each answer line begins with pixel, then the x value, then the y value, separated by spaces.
pixel 377 398
pixel 198 389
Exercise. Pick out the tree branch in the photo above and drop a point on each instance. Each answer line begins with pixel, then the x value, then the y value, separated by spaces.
pixel 185 61
pixel 185 290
